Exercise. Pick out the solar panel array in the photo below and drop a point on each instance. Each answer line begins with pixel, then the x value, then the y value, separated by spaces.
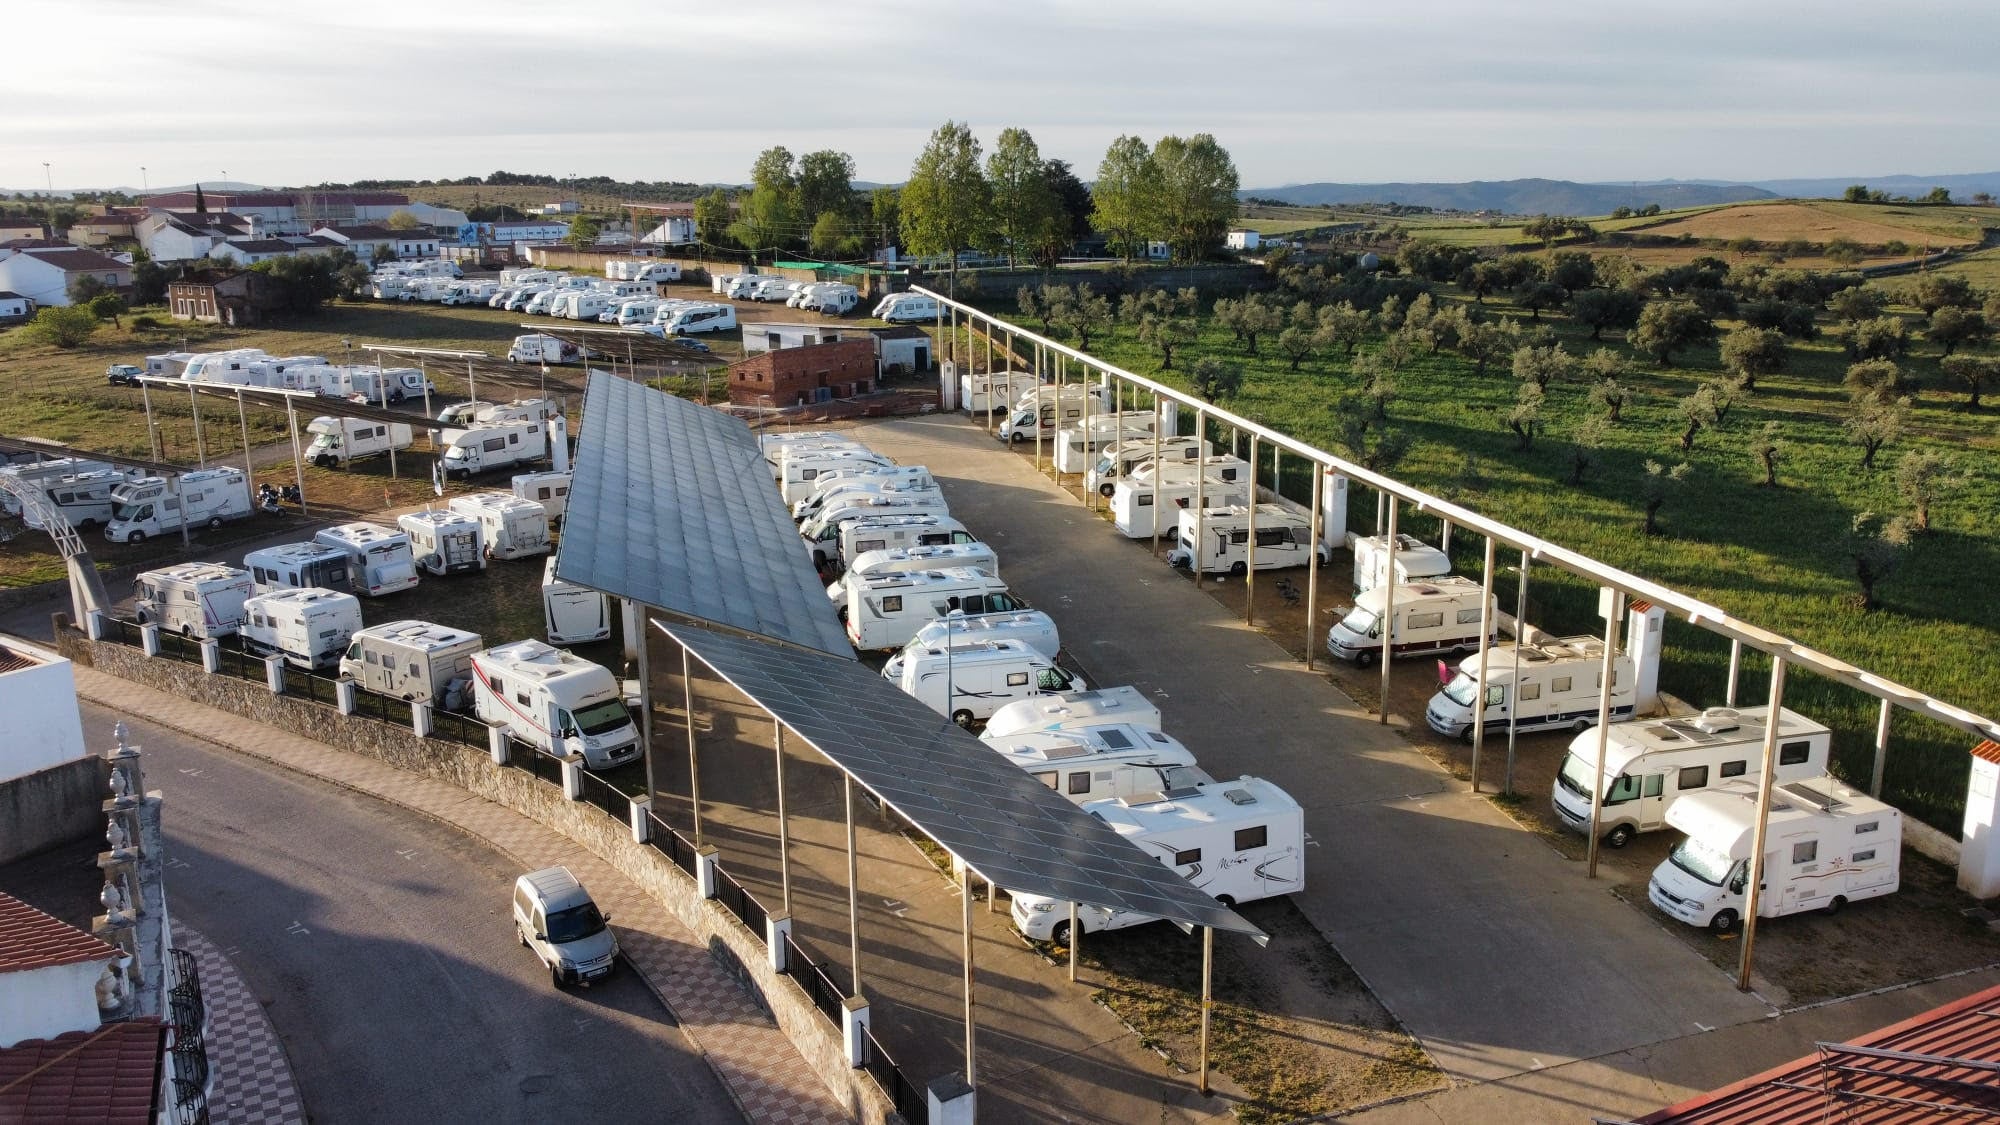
pixel 671 505
pixel 985 810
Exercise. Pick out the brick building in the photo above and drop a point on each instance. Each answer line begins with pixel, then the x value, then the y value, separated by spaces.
pixel 813 373
pixel 223 298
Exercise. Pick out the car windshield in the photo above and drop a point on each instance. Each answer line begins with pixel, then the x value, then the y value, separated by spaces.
pixel 574 924
pixel 1461 690
pixel 1702 861
pixel 603 718
pixel 1575 776
pixel 1360 621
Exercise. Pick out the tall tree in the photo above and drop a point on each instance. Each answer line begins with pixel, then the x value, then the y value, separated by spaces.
pixel 1024 209
pixel 1070 219
pixel 1975 372
pixel 885 211
pixel 1667 327
pixel 1754 352
pixel 1119 198
pixel 712 217
pixel 946 204
pixel 1194 194
pixel 767 219
pixel 825 183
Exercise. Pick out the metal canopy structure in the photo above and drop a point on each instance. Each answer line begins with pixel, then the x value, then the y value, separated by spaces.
pixel 276 398
pixel 986 811
pixel 671 506
pixel 55 449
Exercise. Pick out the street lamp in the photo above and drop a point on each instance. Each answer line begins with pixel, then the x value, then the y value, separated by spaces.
pixel 145 185
pixel 49 176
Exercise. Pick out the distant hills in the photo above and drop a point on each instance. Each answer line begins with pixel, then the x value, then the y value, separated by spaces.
pixel 1568 197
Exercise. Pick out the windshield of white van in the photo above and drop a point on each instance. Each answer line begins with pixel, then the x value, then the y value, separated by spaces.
pixel 1461 689
pixel 1702 862
pixel 1360 621
pixel 574 924
pixel 1575 776
pixel 603 718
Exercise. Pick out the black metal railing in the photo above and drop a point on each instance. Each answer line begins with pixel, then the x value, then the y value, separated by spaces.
pixel 240 664
pixel 184 995
pixel 606 796
pixel 905 1095
pixel 813 977
pixel 671 844
pixel 452 727
pixel 176 647
pixel 122 632
pixel 382 708
pixel 740 901
pixel 310 686
pixel 545 767
pixel 190 1049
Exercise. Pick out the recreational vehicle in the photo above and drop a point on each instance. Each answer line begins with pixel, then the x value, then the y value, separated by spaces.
pixel 549 489
pixel 772 444
pixel 511 527
pixel 1542 685
pixel 153 506
pixel 1075 710
pixel 905 307
pixel 693 319
pixel 383 386
pixel 828 298
pixel 444 542
pixel 1046 411
pixel 1650 765
pixel 887 533
pixel 1031 627
pixel 882 614
pixel 487 448
pixel 822 532
pixel 1825 845
pixel 557 702
pixel 1095 763
pixel 573 615
pixel 38 475
pixel 861 478
pixel 1284 539
pixel 84 499
pixel 380 560
pixel 300 566
pixel 1077 444
pixel 1416 560
pixel 1441 615
pixel 995 393
pixel 1133 514
pixel 338 441
pixel 799 469
pixel 968 680
pixel 537 347
pixel 1235 841
pixel 194 599
pixel 909 560
pixel 310 626
pixel 415 661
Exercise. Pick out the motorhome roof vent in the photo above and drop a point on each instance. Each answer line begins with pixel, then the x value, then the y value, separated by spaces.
pixel 1822 800
pixel 1716 720
pixel 1239 796
pixel 1115 739
pixel 1181 794
pixel 1682 729
pixel 1058 753
pixel 1533 655
pixel 1424 591
pixel 1138 799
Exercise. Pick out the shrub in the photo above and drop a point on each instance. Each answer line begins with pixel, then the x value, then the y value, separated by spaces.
pixel 63 327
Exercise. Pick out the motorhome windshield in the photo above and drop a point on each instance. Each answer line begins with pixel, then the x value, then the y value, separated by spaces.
pixel 1702 862
pixel 136 511
pixel 1575 776
pixel 1103 466
pixel 603 718
pixel 1360 621
pixel 1462 689
pixel 574 924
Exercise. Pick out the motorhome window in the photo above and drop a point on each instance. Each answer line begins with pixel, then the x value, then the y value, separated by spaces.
pixel 870 545
pixel 1866 827
pixel 1468 616
pixel 325 633
pixel 1425 620
pixel 1145 500
pixel 1239 537
pixel 1079 782
pixel 1559 684
pixel 187 595
pixel 493 445
pixel 1863 857
pixel 1248 839
pixel 1733 769
pixel 1017 679
pixel 1530 691
pixel 1794 753
pixel 892 604
pixel 1361 621
pixel 513 439
pixel 1574 775
pixel 1046 777
pixel 1053 679
pixel 603 718
pixel 413 668
pixel 1279 537
pixel 1694 777
pixel 1656 783
pixel 1188 857
pixel 1806 852
pixel 1623 789
pixel 369 657
pixel 1710 865
pixel 521 697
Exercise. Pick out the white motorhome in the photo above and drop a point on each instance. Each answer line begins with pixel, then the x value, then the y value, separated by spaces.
pixel 1553 682
pixel 1133 514
pixel 799 469
pixel 537 347
pixel 773 290
pixel 311 627
pixel 39 475
pixel 1826 845
pixel 485 449
pixel 415 661
pixel 1096 763
pixel 774 443
pixel 909 560
pixel 230 368
pixel 1030 627
pixel 84 499
pixel 1076 445
pixel 581 304
pixel 968 680
pixel 906 307
pixel 693 319
pixel 982 393
pixel 194 599
pixel 1235 841
pixel 555 701
pixel 1076 710
pixel 380 558
pixel 637 310
pixel 887 533
pixel 822 532
pixel 1416 560
pixel 444 542
pixel 338 441
pixel 460 415
pixel 828 298
pixel 382 386
pixel 550 490
pixel 573 615
pixel 1284 539
pixel 511 527
pixel 1650 765
pixel 1438 616
pixel 285 373
pixel 1045 412
pixel 153 506
pixel 720 283
pixel 657 272
pixel 300 566
pixel 882 614
pixel 743 284
pixel 833 483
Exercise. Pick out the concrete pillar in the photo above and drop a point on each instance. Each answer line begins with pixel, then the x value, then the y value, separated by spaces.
pixel 496 744
pixel 420 719
pixel 854 1030
pixel 274 673
pixel 572 773
pixel 343 696
pixel 1645 624
pixel 642 824
pixel 211 655
pixel 952 1101
pixel 93 624
pixel 1333 512
pixel 1979 848
pixel 706 859
pixel 777 932
pixel 149 638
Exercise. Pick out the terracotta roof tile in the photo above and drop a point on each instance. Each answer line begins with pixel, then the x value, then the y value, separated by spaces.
pixel 30 939
pixel 110 1076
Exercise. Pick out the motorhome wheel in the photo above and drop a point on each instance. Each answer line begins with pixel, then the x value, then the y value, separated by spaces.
pixel 1060 934
pixel 1015 438
pixel 1834 906
pixel 395 398
pixel 962 718
pixel 1238 569
pixel 1723 922
pixel 136 537
pixel 1579 726
pixel 1618 837
pixel 1466 735
pixel 1105 490
pixel 326 461
pixel 1226 900
pixel 214 522
pixel 1365 658
pixel 555 975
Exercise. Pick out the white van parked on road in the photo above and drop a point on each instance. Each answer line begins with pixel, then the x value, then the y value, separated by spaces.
pixel 1094 763
pixel 555 917
pixel 444 542
pixel 311 627
pixel 572 614
pixel 882 614
pixel 1553 682
pixel 1075 710
pixel 1440 615
pixel 380 559
pixel 968 680
pixel 557 702
pixel 194 599
pixel 415 661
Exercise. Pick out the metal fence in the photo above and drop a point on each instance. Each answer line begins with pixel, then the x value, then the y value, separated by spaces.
pixel 453 727
pixel 240 664
pixel 813 977
pixel 905 1095
pixel 740 901
pixel 545 767
pixel 670 843
pixel 395 712
pixel 309 685
pixel 176 647
pixel 190 1050
pixel 122 632
pixel 606 796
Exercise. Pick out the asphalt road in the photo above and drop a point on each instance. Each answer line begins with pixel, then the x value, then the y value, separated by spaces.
pixel 381 945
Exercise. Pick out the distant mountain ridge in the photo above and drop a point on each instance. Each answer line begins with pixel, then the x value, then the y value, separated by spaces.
pixel 1569 197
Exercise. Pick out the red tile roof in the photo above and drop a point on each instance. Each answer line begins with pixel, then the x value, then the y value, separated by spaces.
pixel 110 1076
pixel 30 939
pixel 1943 1064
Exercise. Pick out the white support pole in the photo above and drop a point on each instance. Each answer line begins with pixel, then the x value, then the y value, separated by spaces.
pixel 1159 425
pixel 1250 536
pixel 243 424
pixel 784 826
pixel 298 455
pixel 642 623
pixel 965 904
pixel 1485 646
pixel 1388 613
pixel 853 884
pixel 200 450
pixel 1075 939
pixel 1881 750
pixel 152 430
pixel 1312 567
pixel 1735 671
pixel 1207 997
pixel 1200 498
pixel 1753 888
pixel 1514 693
pixel 694 759
pixel 1612 604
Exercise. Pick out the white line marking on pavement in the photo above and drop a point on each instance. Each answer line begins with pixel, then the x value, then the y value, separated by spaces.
pixel 896 906
pixel 408 853
pixel 298 929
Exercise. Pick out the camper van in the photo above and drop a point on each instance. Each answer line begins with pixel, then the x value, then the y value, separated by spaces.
pixel 1416 560
pixel 776 455
pixel 968 680
pixel 906 307
pixel 1552 683
pixel 882 614
pixel 38 475
pixel 461 415
pixel 194 599
pixel 860 478
pixel 415 661
pixel 772 445
pixel 380 560
pixel 1235 841
pixel 574 615
pixel 636 310
pixel 822 532
pixel 382 386
pixel 444 542
pixel 1075 710
pixel 299 566
pixel 887 533
pixel 1046 411
pixel 799 469
pixel 1031 627
pixel 550 490
pixel 1132 511
pixel 908 560
pixel 154 506
pixel 1650 765
pixel 1441 615
pixel 487 448
pixel 1825 845
pixel 1077 445
pixel 1284 539
pixel 556 702
pixel 84 499
pixel 828 298
pixel 742 285
pixel 694 319
pixel 310 626
pixel 537 347
pixel 982 393
pixel 1095 763
pixel 338 441
pixel 511 527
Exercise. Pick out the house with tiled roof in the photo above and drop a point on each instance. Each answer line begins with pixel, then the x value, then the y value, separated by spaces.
pixel 20 226
pixel 48 974
pixel 250 251
pixel 100 230
pixel 45 275
pixel 184 236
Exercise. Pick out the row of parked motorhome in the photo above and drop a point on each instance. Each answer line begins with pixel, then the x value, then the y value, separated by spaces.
pixel 833 298
pixel 253 367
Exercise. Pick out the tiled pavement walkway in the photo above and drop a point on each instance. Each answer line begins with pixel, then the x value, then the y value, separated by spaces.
pixel 253 1082
pixel 754 1059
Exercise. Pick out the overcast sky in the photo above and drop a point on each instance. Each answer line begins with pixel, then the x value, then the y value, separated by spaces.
pixel 285 93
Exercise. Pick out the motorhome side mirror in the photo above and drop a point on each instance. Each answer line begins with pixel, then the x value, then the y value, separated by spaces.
pixel 541 937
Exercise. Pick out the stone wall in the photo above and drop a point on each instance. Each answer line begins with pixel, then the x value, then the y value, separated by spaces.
pixel 51 807
pixel 472 769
